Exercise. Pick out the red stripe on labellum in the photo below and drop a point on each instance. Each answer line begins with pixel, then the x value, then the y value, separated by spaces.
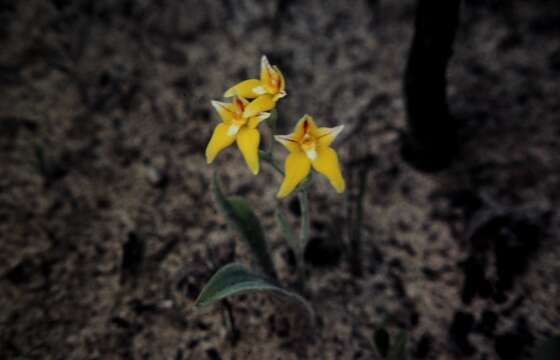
pixel 240 104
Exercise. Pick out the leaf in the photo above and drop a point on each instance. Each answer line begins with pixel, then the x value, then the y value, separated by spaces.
pixel 234 279
pixel 382 341
pixel 239 213
pixel 287 230
pixel 549 349
pixel 398 350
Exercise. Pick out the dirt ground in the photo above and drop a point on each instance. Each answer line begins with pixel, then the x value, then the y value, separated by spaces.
pixel 108 230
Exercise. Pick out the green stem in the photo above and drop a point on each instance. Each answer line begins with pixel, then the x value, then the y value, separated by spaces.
pixel 271 122
pixel 269 159
pixel 267 155
pixel 303 196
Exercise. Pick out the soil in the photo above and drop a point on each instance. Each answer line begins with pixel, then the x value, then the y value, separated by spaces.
pixel 108 230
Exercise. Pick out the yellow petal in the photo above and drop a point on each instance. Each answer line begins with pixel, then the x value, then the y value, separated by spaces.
pixel 218 142
pixel 259 105
pixel 254 121
pixel 304 125
pixel 233 129
pixel 281 81
pixel 326 163
pixel 244 89
pixel 296 168
pixel 325 136
pixel 311 154
pixel 248 142
pixel 278 96
pixel 224 110
pixel 267 72
pixel 288 142
pixel 260 90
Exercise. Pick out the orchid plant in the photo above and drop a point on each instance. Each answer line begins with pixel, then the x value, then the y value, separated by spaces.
pixel 253 102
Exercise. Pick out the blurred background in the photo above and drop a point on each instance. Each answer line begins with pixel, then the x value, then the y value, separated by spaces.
pixel 108 230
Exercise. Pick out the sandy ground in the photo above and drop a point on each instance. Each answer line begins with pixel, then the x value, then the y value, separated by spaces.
pixel 108 230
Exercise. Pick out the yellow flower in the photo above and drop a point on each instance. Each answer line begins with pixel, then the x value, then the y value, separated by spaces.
pixel 266 91
pixel 235 127
pixel 309 146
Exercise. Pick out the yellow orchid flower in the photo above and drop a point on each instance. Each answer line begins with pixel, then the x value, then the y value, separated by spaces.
pixel 235 127
pixel 266 91
pixel 309 146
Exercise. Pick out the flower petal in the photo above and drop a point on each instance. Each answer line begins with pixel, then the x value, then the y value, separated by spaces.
pixel 296 168
pixel 326 163
pixel 267 72
pixel 259 90
pixel 248 143
pixel 311 154
pixel 218 142
pixel 254 121
pixel 279 96
pixel 233 129
pixel 244 89
pixel 281 81
pixel 288 142
pixel 259 105
pixel 224 110
pixel 304 125
pixel 325 136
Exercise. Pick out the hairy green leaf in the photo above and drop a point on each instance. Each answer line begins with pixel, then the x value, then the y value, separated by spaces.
pixel 234 279
pixel 241 216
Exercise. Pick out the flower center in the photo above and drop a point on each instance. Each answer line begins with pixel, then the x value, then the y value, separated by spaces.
pixel 236 123
pixel 307 144
pixel 239 120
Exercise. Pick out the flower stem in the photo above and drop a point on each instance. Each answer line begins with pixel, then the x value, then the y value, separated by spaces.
pixel 271 122
pixel 270 159
pixel 303 196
